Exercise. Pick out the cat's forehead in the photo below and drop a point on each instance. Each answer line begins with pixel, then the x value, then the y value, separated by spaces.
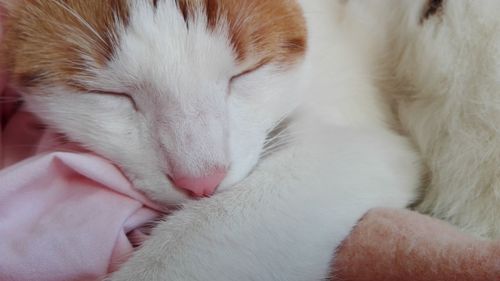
pixel 269 29
pixel 68 41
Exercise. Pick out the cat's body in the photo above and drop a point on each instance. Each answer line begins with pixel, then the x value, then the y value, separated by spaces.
pixel 309 66
pixel 446 57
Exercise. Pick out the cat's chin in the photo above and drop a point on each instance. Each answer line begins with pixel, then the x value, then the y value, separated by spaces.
pixel 160 191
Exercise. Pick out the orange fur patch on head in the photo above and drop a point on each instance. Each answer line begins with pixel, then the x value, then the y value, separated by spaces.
pixel 60 41
pixel 260 31
pixel 63 41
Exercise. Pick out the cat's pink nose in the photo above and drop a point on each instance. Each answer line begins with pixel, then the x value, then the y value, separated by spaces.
pixel 201 186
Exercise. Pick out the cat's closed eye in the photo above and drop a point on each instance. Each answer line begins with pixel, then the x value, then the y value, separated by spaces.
pixel 245 72
pixel 119 95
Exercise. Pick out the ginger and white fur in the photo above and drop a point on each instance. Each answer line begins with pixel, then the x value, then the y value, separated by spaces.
pixel 447 68
pixel 280 218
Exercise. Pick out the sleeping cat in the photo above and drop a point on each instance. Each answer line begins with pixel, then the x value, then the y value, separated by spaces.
pixel 446 58
pixel 261 117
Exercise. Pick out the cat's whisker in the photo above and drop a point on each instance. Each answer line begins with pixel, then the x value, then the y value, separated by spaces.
pixel 79 18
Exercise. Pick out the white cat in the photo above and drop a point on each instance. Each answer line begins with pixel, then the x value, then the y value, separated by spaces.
pixel 446 57
pixel 271 106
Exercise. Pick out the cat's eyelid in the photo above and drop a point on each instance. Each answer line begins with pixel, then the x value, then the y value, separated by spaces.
pixel 118 94
pixel 246 72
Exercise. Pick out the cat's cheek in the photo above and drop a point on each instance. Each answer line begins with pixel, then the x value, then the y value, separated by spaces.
pixel 244 158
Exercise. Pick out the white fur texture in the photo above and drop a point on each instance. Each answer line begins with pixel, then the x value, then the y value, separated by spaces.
pixel 285 220
pixel 448 67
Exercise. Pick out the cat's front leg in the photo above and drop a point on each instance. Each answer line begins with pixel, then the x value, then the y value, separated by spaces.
pixel 285 220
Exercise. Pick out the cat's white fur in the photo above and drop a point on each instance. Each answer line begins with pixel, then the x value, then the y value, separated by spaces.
pixel 285 220
pixel 448 70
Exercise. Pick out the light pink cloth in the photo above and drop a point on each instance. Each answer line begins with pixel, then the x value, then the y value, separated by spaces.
pixel 64 213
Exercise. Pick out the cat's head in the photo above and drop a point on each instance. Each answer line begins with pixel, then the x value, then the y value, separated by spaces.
pixel 180 94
